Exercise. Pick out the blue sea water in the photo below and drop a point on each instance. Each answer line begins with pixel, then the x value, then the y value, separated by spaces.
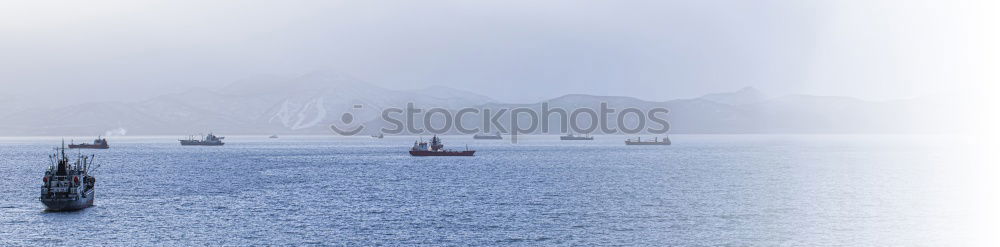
pixel 319 190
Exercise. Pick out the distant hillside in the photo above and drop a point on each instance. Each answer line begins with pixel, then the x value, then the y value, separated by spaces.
pixel 303 104
pixel 747 95
pixel 310 103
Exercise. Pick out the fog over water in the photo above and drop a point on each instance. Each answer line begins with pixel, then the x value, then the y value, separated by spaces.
pixel 514 51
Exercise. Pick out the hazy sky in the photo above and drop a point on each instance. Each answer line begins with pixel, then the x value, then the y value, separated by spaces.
pixel 511 50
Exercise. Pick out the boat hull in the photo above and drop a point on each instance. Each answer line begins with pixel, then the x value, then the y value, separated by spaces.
pixel 442 153
pixel 661 142
pixel 200 143
pixel 68 204
pixel 666 143
pixel 647 143
pixel 88 146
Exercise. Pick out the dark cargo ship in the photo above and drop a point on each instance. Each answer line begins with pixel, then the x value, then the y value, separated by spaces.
pixel 99 143
pixel 655 141
pixel 68 186
pixel 209 140
pixel 436 149
pixel 572 137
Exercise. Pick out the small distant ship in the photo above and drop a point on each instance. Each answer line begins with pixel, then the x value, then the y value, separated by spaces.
pixel 273 137
pixel 99 143
pixel 436 149
pixel 68 186
pixel 488 137
pixel 655 141
pixel 209 140
pixel 572 137
pixel 379 136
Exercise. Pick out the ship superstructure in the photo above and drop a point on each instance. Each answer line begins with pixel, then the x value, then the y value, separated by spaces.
pixel 208 140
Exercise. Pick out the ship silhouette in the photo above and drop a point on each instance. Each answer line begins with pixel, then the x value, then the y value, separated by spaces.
pixel 436 148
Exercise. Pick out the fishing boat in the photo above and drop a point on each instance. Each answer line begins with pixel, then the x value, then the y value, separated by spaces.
pixel 68 186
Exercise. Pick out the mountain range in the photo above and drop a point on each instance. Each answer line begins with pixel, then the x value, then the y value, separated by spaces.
pixel 308 104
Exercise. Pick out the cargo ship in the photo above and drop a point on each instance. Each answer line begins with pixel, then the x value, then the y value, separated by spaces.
pixel 572 137
pixel 435 148
pixel 68 186
pixel 655 141
pixel 488 137
pixel 99 143
pixel 209 140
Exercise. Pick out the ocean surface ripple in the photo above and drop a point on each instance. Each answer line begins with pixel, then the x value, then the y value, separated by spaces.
pixel 703 190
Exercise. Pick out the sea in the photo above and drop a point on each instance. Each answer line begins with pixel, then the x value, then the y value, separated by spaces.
pixel 733 190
